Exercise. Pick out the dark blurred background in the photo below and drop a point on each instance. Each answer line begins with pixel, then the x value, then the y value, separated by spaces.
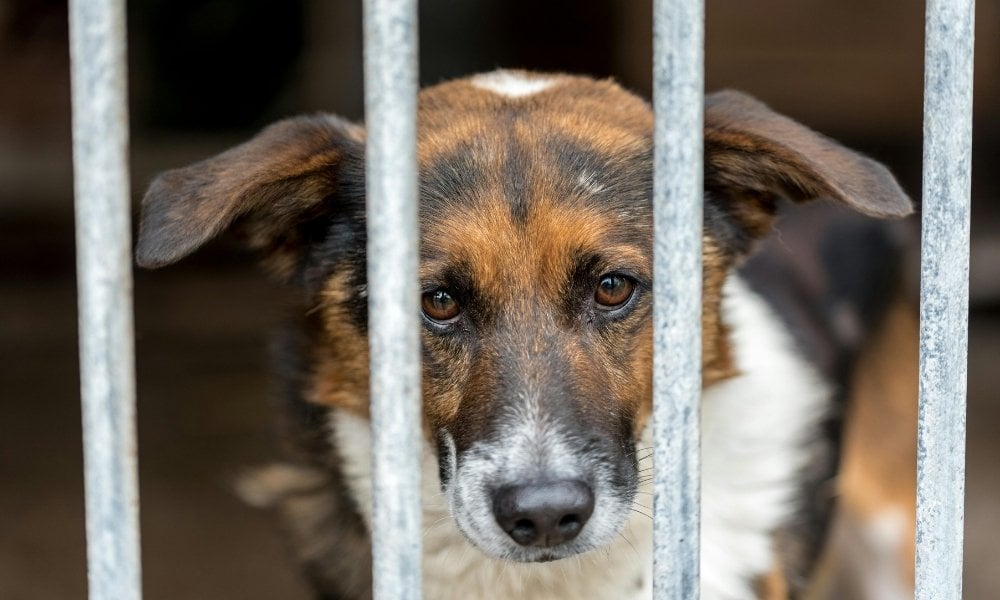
pixel 206 74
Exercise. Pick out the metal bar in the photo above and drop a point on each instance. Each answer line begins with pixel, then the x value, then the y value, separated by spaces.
pixel 390 32
pixel 104 267
pixel 944 298
pixel 678 96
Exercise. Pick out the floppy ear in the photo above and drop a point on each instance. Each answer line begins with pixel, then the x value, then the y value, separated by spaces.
pixel 269 186
pixel 754 156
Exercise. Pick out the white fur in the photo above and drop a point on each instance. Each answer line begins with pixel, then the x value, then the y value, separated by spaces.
pixel 511 84
pixel 753 430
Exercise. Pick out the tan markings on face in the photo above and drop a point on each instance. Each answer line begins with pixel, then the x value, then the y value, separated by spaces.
pixel 599 369
pixel 443 396
pixel 523 270
pixel 510 261
pixel 341 376
pixel 642 368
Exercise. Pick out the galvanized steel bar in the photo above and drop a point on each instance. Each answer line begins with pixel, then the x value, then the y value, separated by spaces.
pixel 390 31
pixel 104 271
pixel 944 298
pixel 678 96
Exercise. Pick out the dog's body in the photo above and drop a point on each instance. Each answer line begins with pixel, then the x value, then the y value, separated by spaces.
pixel 536 266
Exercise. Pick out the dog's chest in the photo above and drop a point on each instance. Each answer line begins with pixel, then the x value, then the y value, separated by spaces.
pixel 755 428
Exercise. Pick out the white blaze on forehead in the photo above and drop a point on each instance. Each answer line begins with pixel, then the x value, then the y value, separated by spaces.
pixel 513 85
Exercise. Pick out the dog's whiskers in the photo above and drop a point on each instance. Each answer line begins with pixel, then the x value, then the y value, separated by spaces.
pixel 630 544
pixel 636 510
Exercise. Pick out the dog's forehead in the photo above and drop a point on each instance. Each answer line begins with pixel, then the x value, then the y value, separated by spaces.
pixel 502 257
pixel 523 176
pixel 485 107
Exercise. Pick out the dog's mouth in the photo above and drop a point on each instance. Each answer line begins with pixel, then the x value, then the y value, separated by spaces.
pixel 540 503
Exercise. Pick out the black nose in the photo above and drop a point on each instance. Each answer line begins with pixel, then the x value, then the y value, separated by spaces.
pixel 543 514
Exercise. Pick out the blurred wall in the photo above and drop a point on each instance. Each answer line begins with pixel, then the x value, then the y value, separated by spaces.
pixel 205 74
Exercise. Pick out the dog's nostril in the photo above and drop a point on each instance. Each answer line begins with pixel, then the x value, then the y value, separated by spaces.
pixel 569 522
pixel 523 531
pixel 543 514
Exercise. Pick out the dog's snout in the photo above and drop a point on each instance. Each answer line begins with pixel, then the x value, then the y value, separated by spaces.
pixel 544 514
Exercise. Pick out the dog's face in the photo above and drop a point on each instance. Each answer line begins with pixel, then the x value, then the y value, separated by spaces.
pixel 536 266
pixel 536 271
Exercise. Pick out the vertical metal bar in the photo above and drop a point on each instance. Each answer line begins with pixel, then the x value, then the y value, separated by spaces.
pixel 104 271
pixel 390 29
pixel 944 297
pixel 678 96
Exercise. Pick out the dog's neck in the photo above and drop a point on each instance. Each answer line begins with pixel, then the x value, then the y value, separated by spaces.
pixel 755 429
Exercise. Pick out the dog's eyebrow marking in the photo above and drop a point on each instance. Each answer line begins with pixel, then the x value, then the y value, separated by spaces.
pixel 453 176
pixel 585 164
pixel 512 85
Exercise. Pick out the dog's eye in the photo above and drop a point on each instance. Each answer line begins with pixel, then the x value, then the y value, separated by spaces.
pixel 613 290
pixel 439 305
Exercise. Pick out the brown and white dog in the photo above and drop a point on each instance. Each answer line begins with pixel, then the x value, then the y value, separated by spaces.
pixel 536 270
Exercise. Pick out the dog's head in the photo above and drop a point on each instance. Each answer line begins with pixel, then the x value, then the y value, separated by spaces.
pixel 536 270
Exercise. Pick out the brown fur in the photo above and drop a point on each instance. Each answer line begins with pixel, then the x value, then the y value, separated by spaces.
pixel 280 175
pixel 341 377
pixel 773 585
pixel 522 269
pixel 880 447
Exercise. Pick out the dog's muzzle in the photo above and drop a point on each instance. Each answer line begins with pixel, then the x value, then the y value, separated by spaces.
pixel 539 493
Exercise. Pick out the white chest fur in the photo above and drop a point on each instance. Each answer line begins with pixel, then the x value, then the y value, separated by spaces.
pixel 753 430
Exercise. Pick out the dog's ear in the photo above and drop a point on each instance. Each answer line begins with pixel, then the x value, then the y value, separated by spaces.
pixel 268 188
pixel 754 156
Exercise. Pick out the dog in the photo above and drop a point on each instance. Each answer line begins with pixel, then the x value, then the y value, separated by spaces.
pixel 536 276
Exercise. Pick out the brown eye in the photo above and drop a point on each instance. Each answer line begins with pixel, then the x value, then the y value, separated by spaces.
pixel 439 305
pixel 613 291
